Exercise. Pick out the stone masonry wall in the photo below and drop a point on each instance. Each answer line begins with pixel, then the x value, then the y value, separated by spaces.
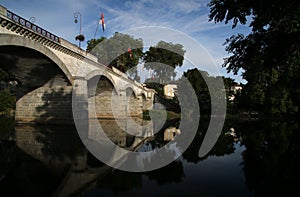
pixel 134 106
pixel 110 105
pixel 46 105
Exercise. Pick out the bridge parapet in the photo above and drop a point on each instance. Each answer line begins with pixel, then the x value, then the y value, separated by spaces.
pixel 14 17
pixel 23 27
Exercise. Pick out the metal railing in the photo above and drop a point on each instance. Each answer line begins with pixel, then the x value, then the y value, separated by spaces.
pixel 12 16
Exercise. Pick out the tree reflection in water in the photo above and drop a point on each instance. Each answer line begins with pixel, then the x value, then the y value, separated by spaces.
pixel 261 157
pixel 269 162
pixel 271 159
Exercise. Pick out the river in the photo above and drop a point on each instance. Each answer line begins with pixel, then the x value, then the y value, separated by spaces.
pixel 250 158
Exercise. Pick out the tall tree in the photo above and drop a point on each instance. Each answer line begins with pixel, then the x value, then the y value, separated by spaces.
pixel 91 44
pixel 198 79
pixel 163 59
pixel 7 99
pixel 121 51
pixel 269 55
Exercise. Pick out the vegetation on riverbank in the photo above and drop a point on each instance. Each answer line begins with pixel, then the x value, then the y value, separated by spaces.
pixel 7 103
pixel 268 57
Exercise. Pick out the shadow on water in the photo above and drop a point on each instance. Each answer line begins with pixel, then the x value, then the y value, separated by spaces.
pixel 47 160
pixel 28 166
pixel 258 158
pixel 57 146
pixel 23 175
pixel 271 160
pixel 224 145
pixel 7 126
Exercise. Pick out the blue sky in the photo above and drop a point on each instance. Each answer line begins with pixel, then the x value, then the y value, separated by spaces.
pixel 188 17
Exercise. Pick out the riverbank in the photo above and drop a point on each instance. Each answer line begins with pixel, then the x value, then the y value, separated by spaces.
pixel 157 114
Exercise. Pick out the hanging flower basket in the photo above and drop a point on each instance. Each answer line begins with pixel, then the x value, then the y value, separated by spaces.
pixel 80 37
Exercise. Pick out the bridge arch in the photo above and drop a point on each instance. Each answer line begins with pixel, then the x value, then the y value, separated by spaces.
pixel 131 88
pixel 129 140
pixel 144 101
pixel 143 94
pixel 103 96
pixel 101 72
pixel 20 41
pixel 133 102
pixel 44 94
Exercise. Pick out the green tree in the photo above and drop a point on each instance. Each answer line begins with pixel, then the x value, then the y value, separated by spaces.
pixel 121 51
pixel 198 79
pixel 3 75
pixel 163 59
pixel 269 56
pixel 91 44
pixel 7 101
pixel 158 87
pixel 228 83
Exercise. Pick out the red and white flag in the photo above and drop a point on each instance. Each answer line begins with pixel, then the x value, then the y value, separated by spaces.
pixel 102 22
pixel 130 52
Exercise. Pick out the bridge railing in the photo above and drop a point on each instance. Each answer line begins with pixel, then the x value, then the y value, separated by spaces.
pixel 14 17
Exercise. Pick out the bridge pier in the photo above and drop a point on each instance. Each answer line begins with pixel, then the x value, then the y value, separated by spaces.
pixel 80 106
pixel 49 104
pixel 108 105
pixel 52 104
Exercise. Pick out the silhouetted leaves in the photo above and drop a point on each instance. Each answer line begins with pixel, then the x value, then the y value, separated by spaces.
pixel 269 56
pixel 163 59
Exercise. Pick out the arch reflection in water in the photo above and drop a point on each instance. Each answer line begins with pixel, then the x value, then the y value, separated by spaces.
pixel 61 146
pixel 109 140
pixel 57 147
pixel 61 151
pixel 170 133
pixel 118 131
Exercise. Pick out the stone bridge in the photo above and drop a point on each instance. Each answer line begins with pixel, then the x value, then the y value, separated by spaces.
pixel 51 71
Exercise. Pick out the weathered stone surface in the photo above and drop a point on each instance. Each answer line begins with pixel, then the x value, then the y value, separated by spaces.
pixel 46 105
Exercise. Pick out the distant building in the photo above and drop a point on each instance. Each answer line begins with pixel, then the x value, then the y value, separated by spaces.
pixel 236 88
pixel 170 90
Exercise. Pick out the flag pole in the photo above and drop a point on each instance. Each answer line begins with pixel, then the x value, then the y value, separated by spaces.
pixel 96 29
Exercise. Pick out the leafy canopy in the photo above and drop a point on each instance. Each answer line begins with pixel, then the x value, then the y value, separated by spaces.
pixel 115 51
pixel 269 55
pixel 125 52
pixel 163 59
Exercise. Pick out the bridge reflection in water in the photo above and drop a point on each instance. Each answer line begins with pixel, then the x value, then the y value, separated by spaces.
pixel 259 158
pixel 62 152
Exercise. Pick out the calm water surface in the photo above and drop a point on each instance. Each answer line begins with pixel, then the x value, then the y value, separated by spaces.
pixel 258 158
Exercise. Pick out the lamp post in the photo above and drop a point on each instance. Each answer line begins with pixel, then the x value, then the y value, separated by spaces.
pixel 79 37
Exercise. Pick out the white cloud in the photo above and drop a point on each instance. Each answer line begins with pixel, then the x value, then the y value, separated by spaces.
pixel 188 16
pixel 185 7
